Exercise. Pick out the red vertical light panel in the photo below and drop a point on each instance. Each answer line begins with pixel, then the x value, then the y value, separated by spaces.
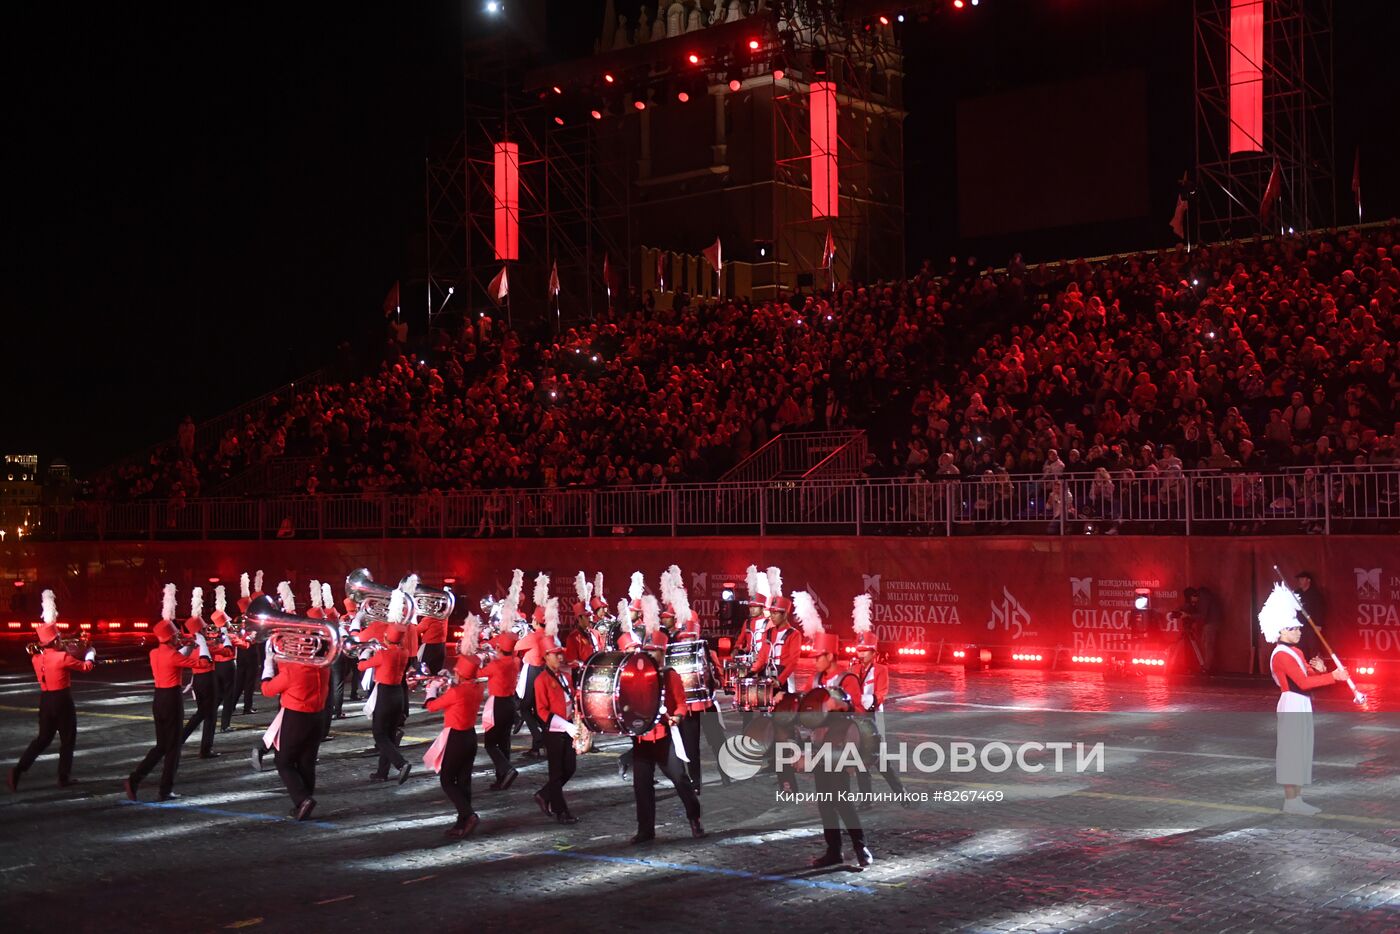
pixel 825 198
pixel 1247 76
pixel 507 198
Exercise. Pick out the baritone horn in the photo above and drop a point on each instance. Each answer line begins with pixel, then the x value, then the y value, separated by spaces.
pixel 373 598
pixel 430 601
pixel 292 638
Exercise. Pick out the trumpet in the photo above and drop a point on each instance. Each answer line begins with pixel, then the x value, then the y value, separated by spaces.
pixel 76 647
pixel 373 598
pixel 292 638
pixel 357 650
pixel 430 601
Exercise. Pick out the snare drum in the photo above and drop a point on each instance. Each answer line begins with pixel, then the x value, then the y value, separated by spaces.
pixel 735 667
pixel 752 693
pixel 818 702
pixel 620 692
pixel 691 660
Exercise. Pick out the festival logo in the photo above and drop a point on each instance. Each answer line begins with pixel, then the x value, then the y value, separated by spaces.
pixel 1081 590
pixel 1378 610
pixel 904 610
pixel 1010 615
pixel 1368 583
pixel 871 584
pixel 699 581
pixel 1103 618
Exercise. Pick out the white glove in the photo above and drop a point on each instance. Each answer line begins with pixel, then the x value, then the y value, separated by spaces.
pixel 434 689
pixel 367 680
pixel 269 668
pixel 203 645
pixel 558 724
pixel 228 643
pixel 91 655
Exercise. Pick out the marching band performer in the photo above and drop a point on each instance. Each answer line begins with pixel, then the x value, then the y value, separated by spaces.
pixel 554 703
pixel 166 705
pixel 53 666
pixel 874 679
pixel 782 649
pixel 532 648
pixel 699 715
pixel 751 637
pixel 599 605
pixel 498 719
pixel 343 670
pixel 225 664
pixel 454 752
pixel 206 691
pixel 331 616
pixel 296 732
pixel 584 640
pixel 432 634
pixel 248 673
pixel 386 703
pixel 657 749
pixel 836 732
pixel 1278 621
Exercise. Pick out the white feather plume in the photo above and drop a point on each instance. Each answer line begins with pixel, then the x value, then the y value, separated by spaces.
pixel 410 584
pixel 49 613
pixel 551 617
pixel 775 582
pixel 258 582
pixel 651 614
pixel 541 589
pixel 284 591
pixel 751 579
pixel 760 585
pixel 197 602
pixel 316 594
pixel 167 602
pixel 860 614
pixel 598 586
pixel 243 590
pixel 517 586
pixel 665 584
pixel 398 603
pixel 624 614
pixel 220 599
pixel 1278 613
pixel 805 609
pixel 636 587
pixel 471 635
pixel 680 601
pixel 581 589
pixel 327 601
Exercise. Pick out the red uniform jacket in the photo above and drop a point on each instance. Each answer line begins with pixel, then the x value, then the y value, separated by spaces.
pixel 532 647
pixel 791 652
pixel 166 662
pixel 303 687
pixel 554 696
pixel 221 652
pixel 874 686
pixel 1291 672
pixel 388 664
pixel 748 641
pixel 501 675
pixel 672 702
pixel 52 667
pixel 459 705
pixel 581 645
pixel 431 630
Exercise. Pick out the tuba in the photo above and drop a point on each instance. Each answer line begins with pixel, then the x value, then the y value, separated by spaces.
pixel 292 638
pixel 430 601
pixel 373 598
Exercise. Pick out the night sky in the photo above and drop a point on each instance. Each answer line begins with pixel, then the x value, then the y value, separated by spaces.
pixel 204 200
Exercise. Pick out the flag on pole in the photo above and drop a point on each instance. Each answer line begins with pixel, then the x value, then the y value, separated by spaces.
pixel 607 275
pixel 829 251
pixel 499 287
pixel 714 255
pixel 1356 182
pixel 391 301
pixel 1271 193
pixel 1178 221
pixel 660 271
pixel 554 279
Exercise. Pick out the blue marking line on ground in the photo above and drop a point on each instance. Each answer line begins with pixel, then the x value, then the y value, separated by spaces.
pixel 718 871
pixel 219 812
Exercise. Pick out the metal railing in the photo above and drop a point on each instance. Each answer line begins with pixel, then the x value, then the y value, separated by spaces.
pixel 1330 502
pixel 791 453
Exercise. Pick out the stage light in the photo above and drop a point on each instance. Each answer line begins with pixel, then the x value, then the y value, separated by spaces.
pixel 957 4
pixel 558 90
pixel 1211 335
pixel 693 58
pixel 778 74
pixel 959 653
pixel 596 114
pixel 607 76
pixel 900 18
pixel 884 21
pixel 682 96
pixel 559 120
pixel 735 84
pixel 1141 598
pixel 14 625
pixel 639 104
pixel 974 2
pixel 753 45
pixel 493 7
pixel 213 580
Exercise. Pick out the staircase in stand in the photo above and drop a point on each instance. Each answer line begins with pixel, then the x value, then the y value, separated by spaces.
pixel 793 455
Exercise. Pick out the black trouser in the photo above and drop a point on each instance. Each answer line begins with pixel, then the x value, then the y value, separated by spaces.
pixel 434 656
pixel 562 762
pixel 226 689
pixel 205 686
pixel 250 662
pixel 456 774
pixel 324 718
pixel 647 757
pixel 297 744
pixel 56 715
pixel 690 740
pixel 343 671
pixel 538 730
pixel 872 764
pixel 835 812
pixel 498 737
pixel 388 713
pixel 168 709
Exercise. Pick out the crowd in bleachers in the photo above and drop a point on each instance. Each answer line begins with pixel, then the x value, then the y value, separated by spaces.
pixel 1244 356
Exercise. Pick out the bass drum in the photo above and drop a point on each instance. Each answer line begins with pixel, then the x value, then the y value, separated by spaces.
pixel 691 660
pixel 620 692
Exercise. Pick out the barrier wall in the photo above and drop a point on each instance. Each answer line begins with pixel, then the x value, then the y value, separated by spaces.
pixel 1075 592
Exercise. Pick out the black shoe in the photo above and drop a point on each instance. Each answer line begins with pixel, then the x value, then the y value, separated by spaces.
pixel 307 806
pixel 225 729
pixel 696 830
pixel 494 786
pixel 249 710
pixel 509 780
pixel 67 782
pixel 338 716
pixel 256 757
pixel 12 778
pixel 828 858
pixel 170 796
pixel 640 837
pixel 544 804
pixel 567 818
pixel 210 755
pixel 622 770
pixel 534 753
pixel 129 786
pixel 403 773
pixel 864 856
pixel 466 829
pixel 376 777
